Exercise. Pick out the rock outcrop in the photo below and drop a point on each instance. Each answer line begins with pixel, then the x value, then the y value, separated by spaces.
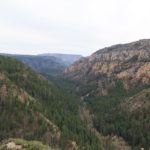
pixel 129 63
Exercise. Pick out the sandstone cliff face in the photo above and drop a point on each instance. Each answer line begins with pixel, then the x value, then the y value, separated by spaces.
pixel 129 63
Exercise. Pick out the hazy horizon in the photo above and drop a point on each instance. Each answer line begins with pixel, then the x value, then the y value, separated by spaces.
pixel 39 53
pixel 71 27
pixel 63 53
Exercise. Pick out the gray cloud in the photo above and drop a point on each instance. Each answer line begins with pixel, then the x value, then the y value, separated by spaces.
pixel 70 26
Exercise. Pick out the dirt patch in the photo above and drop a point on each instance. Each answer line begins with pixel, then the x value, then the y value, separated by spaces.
pixel 13 146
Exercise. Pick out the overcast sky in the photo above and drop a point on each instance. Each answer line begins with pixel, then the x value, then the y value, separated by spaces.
pixel 71 26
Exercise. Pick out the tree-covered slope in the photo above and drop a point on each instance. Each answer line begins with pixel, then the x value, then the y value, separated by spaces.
pixel 22 114
pixel 114 82
pixel 34 108
pixel 124 113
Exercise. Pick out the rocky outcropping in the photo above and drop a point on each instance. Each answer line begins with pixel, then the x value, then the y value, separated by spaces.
pixel 129 63
pixel 21 144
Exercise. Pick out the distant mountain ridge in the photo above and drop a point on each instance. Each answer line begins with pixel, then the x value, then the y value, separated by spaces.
pixel 67 58
pixel 136 45
pixel 47 64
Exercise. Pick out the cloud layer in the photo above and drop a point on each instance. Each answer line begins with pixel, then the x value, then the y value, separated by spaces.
pixel 71 26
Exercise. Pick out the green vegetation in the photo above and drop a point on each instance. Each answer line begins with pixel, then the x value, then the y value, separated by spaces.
pixel 24 145
pixel 113 118
pixel 34 108
pixel 21 115
pixel 25 119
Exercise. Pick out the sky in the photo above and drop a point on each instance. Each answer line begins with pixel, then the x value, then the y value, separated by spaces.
pixel 71 26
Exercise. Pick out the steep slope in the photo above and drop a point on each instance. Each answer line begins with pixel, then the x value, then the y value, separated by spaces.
pixel 33 108
pixel 22 114
pixel 129 63
pixel 111 81
pixel 108 142
pixel 125 114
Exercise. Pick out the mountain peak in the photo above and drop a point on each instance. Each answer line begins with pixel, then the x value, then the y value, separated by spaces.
pixel 143 44
pixel 126 62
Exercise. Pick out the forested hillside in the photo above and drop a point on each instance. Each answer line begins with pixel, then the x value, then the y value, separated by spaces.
pixel 115 84
pixel 103 103
pixel 33 108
